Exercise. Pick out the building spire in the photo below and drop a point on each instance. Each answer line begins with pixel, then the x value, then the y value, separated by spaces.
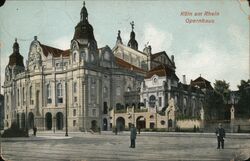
pixel 84 13
pixel 132 42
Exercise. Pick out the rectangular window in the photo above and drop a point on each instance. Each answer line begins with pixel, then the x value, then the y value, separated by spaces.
pixel 74 122
pixel 75 99
pixel 94 112
pixel 160 102
pixel 74 112
pixel 145 101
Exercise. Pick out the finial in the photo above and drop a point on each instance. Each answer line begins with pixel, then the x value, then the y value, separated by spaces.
pixel 132 25
pixel 35 37
pixel 119 33
pixel 15 39
pixel 83 3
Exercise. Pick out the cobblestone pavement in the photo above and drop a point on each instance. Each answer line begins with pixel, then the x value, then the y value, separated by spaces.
pixel 107 146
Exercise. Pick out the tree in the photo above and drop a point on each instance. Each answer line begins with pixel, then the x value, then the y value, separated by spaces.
pixel 216 100
pixel 222 88
pixel 214 105
pixel 244 101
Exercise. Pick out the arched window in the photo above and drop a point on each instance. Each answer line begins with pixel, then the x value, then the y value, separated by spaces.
pixel 48 93
pixel 59 93
pixel 152 101
pixel 74 56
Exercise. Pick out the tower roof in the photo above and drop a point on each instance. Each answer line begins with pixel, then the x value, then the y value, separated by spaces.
pixel 15 58
pixel 84 30
pixel 132 42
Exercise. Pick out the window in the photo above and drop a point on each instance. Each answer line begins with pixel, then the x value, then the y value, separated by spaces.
pixel 74 57
pixel 74 122
pixel 94 112
pixel 23 96
pixel 74 112
pixel 160 102
pixel 118 91
pixel 59 93
pixel 163 122
pixel 145 101
pixel 152 100
pixel 48 93
pixel 128 89
pixel 18 97
pixel 105 108
pixel 31 95
pixel 75 99
pixel 75 87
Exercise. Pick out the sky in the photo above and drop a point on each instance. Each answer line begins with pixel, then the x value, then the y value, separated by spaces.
pixel 216 51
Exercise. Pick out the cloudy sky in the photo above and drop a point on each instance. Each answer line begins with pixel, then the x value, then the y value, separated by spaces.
pixel 217 51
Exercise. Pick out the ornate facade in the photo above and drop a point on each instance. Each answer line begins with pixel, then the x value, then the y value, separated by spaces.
pixel 88 84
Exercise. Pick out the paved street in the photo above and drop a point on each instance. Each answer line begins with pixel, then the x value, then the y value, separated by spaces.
pixel 107 146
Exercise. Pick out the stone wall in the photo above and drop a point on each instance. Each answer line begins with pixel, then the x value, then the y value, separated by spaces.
pixel 188 124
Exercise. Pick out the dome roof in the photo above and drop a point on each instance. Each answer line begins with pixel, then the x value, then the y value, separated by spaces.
pixel 15 58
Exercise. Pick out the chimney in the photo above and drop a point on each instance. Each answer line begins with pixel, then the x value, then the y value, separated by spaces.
pixel 184 79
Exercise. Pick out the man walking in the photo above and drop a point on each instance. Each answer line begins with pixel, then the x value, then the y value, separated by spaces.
pixel 220 133
pixel 133 133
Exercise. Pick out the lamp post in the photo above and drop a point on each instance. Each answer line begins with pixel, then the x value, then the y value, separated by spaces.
pixel 66 106
pixel 26 107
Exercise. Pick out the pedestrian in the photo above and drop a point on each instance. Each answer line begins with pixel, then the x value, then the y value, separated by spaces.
pixel 220 133
pixel 34 130
pixel 133 133
pixel 116 130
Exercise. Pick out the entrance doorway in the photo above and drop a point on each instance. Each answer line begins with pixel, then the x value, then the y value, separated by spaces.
pixel 141 122
pixel 105 124
pixel 30 120
pixel 59 121
pixel 48 119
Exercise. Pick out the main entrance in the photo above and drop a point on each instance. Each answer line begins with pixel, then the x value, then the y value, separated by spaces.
pixel 141 122
pixel 120 123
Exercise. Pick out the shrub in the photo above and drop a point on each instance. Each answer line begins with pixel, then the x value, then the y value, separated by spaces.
pixel 14 131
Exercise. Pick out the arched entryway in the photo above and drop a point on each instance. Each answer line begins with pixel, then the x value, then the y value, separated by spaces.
pixel 141 122
pixel 18 120
pixel 105 124
pixel 22 120
pixel 48 120
pixel 30 120
pixel 59 121
pixel 120 123
pixel 94 125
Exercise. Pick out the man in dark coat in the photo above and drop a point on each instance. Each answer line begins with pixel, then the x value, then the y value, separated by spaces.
pixel 220 133
pixel 133 133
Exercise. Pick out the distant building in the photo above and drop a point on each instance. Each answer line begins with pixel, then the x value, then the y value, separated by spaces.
pixel 92 84
pixel 1 111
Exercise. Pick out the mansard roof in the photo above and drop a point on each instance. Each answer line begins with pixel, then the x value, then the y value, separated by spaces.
pixel 123 64
pixel 54 51
pixel 202 83
pixel 162 70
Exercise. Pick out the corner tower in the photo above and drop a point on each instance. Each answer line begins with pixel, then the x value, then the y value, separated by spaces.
pixel 83 45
